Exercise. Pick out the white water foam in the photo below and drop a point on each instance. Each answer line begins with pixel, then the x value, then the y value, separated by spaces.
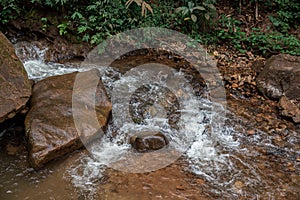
pixel 86 175
pixel 33 57
pixel 196 129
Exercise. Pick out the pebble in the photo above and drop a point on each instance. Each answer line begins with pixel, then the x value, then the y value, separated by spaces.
pixel 235 85
pixel 251 132
pixel 290 167
pixel 8 192
pixel 239 185
pixel 259 119
pixel 20 174
pixel 282 126
pixel 180 187
pixel 146 187
pixel 200 181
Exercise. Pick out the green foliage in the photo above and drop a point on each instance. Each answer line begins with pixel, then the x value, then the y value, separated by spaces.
pixel 54 3
pixel 287 15
pixel 188 12
pixel 62 28
pixel 9 9
pixel 274 42
pixel 100 19
pixel 143 4
pixel 195 17
pixel 163 16
pixel 96 20
pixel 256 40
pixel 44 23
pixel 230 31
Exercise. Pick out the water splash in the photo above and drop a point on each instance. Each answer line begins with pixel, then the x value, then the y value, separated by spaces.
pixel 196 128
pixel 86 175
pixel 33 56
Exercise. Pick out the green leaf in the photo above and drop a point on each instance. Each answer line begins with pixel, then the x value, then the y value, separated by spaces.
pixel 86 37
pixel 194 18
pixel 185 11
pixel 207 17
pixel 44 19
pixel 191 5
pixel 181 9
pixel 76 15
pixel 199 8
pixel 82 29
pixel 91 7
pixel 211 6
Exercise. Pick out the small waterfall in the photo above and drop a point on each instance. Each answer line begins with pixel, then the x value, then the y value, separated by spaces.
pixel 232 164
pixel 33 56
pixel 208 155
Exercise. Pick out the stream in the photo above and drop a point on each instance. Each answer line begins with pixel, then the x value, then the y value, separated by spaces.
pixel 216 162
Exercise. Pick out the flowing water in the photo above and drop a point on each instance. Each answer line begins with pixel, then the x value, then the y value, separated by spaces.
pixel 225 162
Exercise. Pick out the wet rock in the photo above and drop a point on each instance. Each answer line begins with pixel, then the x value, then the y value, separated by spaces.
pixel 147 141
pixel 289 109
pixel 15 88
pixel 62 50
pixel 49 125
pixel 280 76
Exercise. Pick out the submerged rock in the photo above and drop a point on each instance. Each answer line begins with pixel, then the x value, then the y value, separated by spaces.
pixel 153 101
pixel 280 76
pixel 15 87
pixel 147 141
pixel 50 127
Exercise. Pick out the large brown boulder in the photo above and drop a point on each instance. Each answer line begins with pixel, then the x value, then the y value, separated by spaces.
pixel 280 76
pixel 15 88
pixel 50 127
